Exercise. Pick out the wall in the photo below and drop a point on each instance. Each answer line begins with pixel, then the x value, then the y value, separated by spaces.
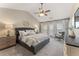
pixel 17 18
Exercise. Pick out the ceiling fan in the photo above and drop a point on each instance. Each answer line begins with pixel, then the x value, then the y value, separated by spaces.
pixel 42 12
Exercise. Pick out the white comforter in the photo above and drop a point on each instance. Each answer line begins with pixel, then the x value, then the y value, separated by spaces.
pixel 33 40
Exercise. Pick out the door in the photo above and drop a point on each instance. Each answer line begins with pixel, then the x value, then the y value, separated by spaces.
pixel 52 29
pixel 44 28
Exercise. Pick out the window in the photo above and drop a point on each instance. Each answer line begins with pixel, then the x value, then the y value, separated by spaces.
pixel 76 19
pixel 77 24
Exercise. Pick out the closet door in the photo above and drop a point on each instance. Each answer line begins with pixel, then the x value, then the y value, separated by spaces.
pixel 44 27
pixel 52 29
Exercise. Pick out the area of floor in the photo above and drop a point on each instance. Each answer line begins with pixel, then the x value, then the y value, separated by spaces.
pixel 54 48
pixel 72 51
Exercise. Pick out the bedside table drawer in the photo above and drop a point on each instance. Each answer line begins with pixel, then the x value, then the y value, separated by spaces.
pixel 3 46
pixel 7 42
pixel 3 41
pixel 10 42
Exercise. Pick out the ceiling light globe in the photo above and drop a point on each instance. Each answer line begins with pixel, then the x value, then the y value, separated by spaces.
pixel 41 14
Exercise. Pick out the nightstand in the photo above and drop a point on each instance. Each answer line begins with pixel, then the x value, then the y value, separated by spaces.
pixel 6 42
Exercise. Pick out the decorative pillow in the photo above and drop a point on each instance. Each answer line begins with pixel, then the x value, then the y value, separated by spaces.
pixel 21 34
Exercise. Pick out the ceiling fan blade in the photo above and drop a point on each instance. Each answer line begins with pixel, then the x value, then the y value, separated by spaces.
pixel 45 14
pixel 47 10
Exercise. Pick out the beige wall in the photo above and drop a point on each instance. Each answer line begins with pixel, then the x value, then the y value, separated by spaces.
pixel 17 18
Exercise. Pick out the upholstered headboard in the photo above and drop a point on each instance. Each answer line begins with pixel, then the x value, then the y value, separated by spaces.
pixel 21 29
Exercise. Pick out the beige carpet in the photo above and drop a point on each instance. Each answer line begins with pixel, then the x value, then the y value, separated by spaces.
pixel 53 48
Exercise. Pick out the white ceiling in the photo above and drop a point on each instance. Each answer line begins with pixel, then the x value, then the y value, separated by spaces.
pixel 58 10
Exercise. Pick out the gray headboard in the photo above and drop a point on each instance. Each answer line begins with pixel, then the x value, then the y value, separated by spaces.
pixel 21 29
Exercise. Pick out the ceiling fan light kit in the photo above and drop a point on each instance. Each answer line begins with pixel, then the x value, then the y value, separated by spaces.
pixel 41 14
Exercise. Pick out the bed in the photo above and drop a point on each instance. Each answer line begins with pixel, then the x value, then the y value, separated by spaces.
pixel 33 48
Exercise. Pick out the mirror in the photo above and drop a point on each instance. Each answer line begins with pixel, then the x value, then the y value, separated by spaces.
pixel 76 19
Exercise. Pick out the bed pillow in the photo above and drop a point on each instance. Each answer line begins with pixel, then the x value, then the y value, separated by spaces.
pixel 22 34
pixel 30 32
pixel 26 33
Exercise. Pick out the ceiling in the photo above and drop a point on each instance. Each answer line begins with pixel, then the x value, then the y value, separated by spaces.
pixel 58 10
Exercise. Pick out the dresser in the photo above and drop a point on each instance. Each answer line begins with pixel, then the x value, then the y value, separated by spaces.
pixel 6 42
